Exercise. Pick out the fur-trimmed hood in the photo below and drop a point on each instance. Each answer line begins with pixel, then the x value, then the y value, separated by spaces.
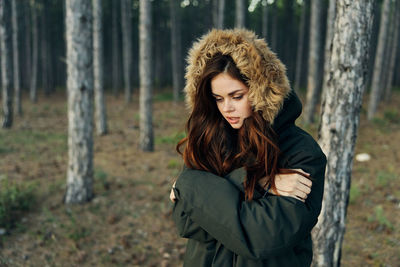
pixel 268 83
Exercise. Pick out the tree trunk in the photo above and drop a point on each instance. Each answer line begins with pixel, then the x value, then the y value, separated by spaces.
pixel 328 38
pixel 126 17
pixel 44 50
pixel 175 51
pixel 240 14
pixel 393 49
pixel 221 12
pixel 16 72
pixel 80 101
pixel 265 20
pixel 6 62
pixel 116 69
pixel 376 86
pixel 28 45
pixel 98 61
pixel 218 10
pixel 274 30
pixel 35 51
pixel 300 46
pixel 339 123
pixel 146 138
pixel 313 77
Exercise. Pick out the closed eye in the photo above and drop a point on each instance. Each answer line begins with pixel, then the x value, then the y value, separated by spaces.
pixel 238 97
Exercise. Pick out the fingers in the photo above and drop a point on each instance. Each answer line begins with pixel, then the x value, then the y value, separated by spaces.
pixel 172 195
pixel 302 172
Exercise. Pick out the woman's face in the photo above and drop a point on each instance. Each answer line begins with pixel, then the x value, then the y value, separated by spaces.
pixel 231 96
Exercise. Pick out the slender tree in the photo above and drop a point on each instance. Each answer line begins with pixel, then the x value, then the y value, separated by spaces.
pixel 175 50
pixel 80 101
pixel 98 61
pixel 328 38
pixel 35 52
pixel 218 8
pixel 394 43
pixel 300 46
pixel 339 123
pixel 265 19
pixel 146 138
pixel 44 51
pixel 116 66
pixel 6 62
pixel 240 14
pixel 28 44
pixel 126 18
pixel 313 78
pixel 376 86
pixel 16 72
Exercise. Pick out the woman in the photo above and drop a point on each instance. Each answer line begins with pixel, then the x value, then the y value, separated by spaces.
pixel 242 199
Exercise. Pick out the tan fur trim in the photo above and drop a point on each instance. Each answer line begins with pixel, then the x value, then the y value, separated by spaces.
pixel 268 83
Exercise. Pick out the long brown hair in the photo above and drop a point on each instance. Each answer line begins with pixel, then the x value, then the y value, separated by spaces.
pixel 213 145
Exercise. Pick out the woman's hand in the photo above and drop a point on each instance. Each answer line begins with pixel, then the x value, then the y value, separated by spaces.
pixel 172 193
pixel 292 185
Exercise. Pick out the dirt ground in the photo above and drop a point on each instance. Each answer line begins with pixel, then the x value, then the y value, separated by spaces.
pixel 128 223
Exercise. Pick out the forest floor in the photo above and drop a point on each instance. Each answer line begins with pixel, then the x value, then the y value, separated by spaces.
pixel 128 223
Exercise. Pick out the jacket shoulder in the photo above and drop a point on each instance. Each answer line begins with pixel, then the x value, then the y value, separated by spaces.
pixel 294 141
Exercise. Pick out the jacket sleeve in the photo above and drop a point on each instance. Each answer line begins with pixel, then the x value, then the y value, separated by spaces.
pixel 185 225
pixel 256 229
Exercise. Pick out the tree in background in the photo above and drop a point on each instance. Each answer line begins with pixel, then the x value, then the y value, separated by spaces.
pixel 377 86
pixel 240 15
pixel 6 62
pixel 98 70
pixel 35 52
pixel 146 138
pixel 394 43
pixel 314 59
pixel 218 11
pixel 126 19
pixel 78 23
pixel 116 66
pixel 300 46
pixel 177 73
pixel 265 19
pixel 16 72
pixel 339 123
pixel 328 38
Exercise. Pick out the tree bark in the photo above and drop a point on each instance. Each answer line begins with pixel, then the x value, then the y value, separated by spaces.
pixel 240 14
pixel 175 51
pixel 28 45
pixel 126 17
pixel 313 77
pixel 35 51
pixel 98 71
pixel 116 69
pixel 218 10
pixel 146 138
pixel 328 39
pixel 274 30
pixel 44 50
pixel 300 46
pixel 16 72
pixel 265 20
pixel 341 106
pixel 393 49
pixel 376 86
pixel 80 101
pixel 6 62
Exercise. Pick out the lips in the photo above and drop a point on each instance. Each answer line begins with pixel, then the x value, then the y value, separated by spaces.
pixel 233 120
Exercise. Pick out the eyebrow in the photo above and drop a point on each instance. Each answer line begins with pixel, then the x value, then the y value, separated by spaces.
pixel 230 94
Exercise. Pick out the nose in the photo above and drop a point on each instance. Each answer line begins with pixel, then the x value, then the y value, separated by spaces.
pixel 228 106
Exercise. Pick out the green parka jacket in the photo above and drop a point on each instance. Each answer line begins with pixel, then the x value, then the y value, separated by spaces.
pixel 225 230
